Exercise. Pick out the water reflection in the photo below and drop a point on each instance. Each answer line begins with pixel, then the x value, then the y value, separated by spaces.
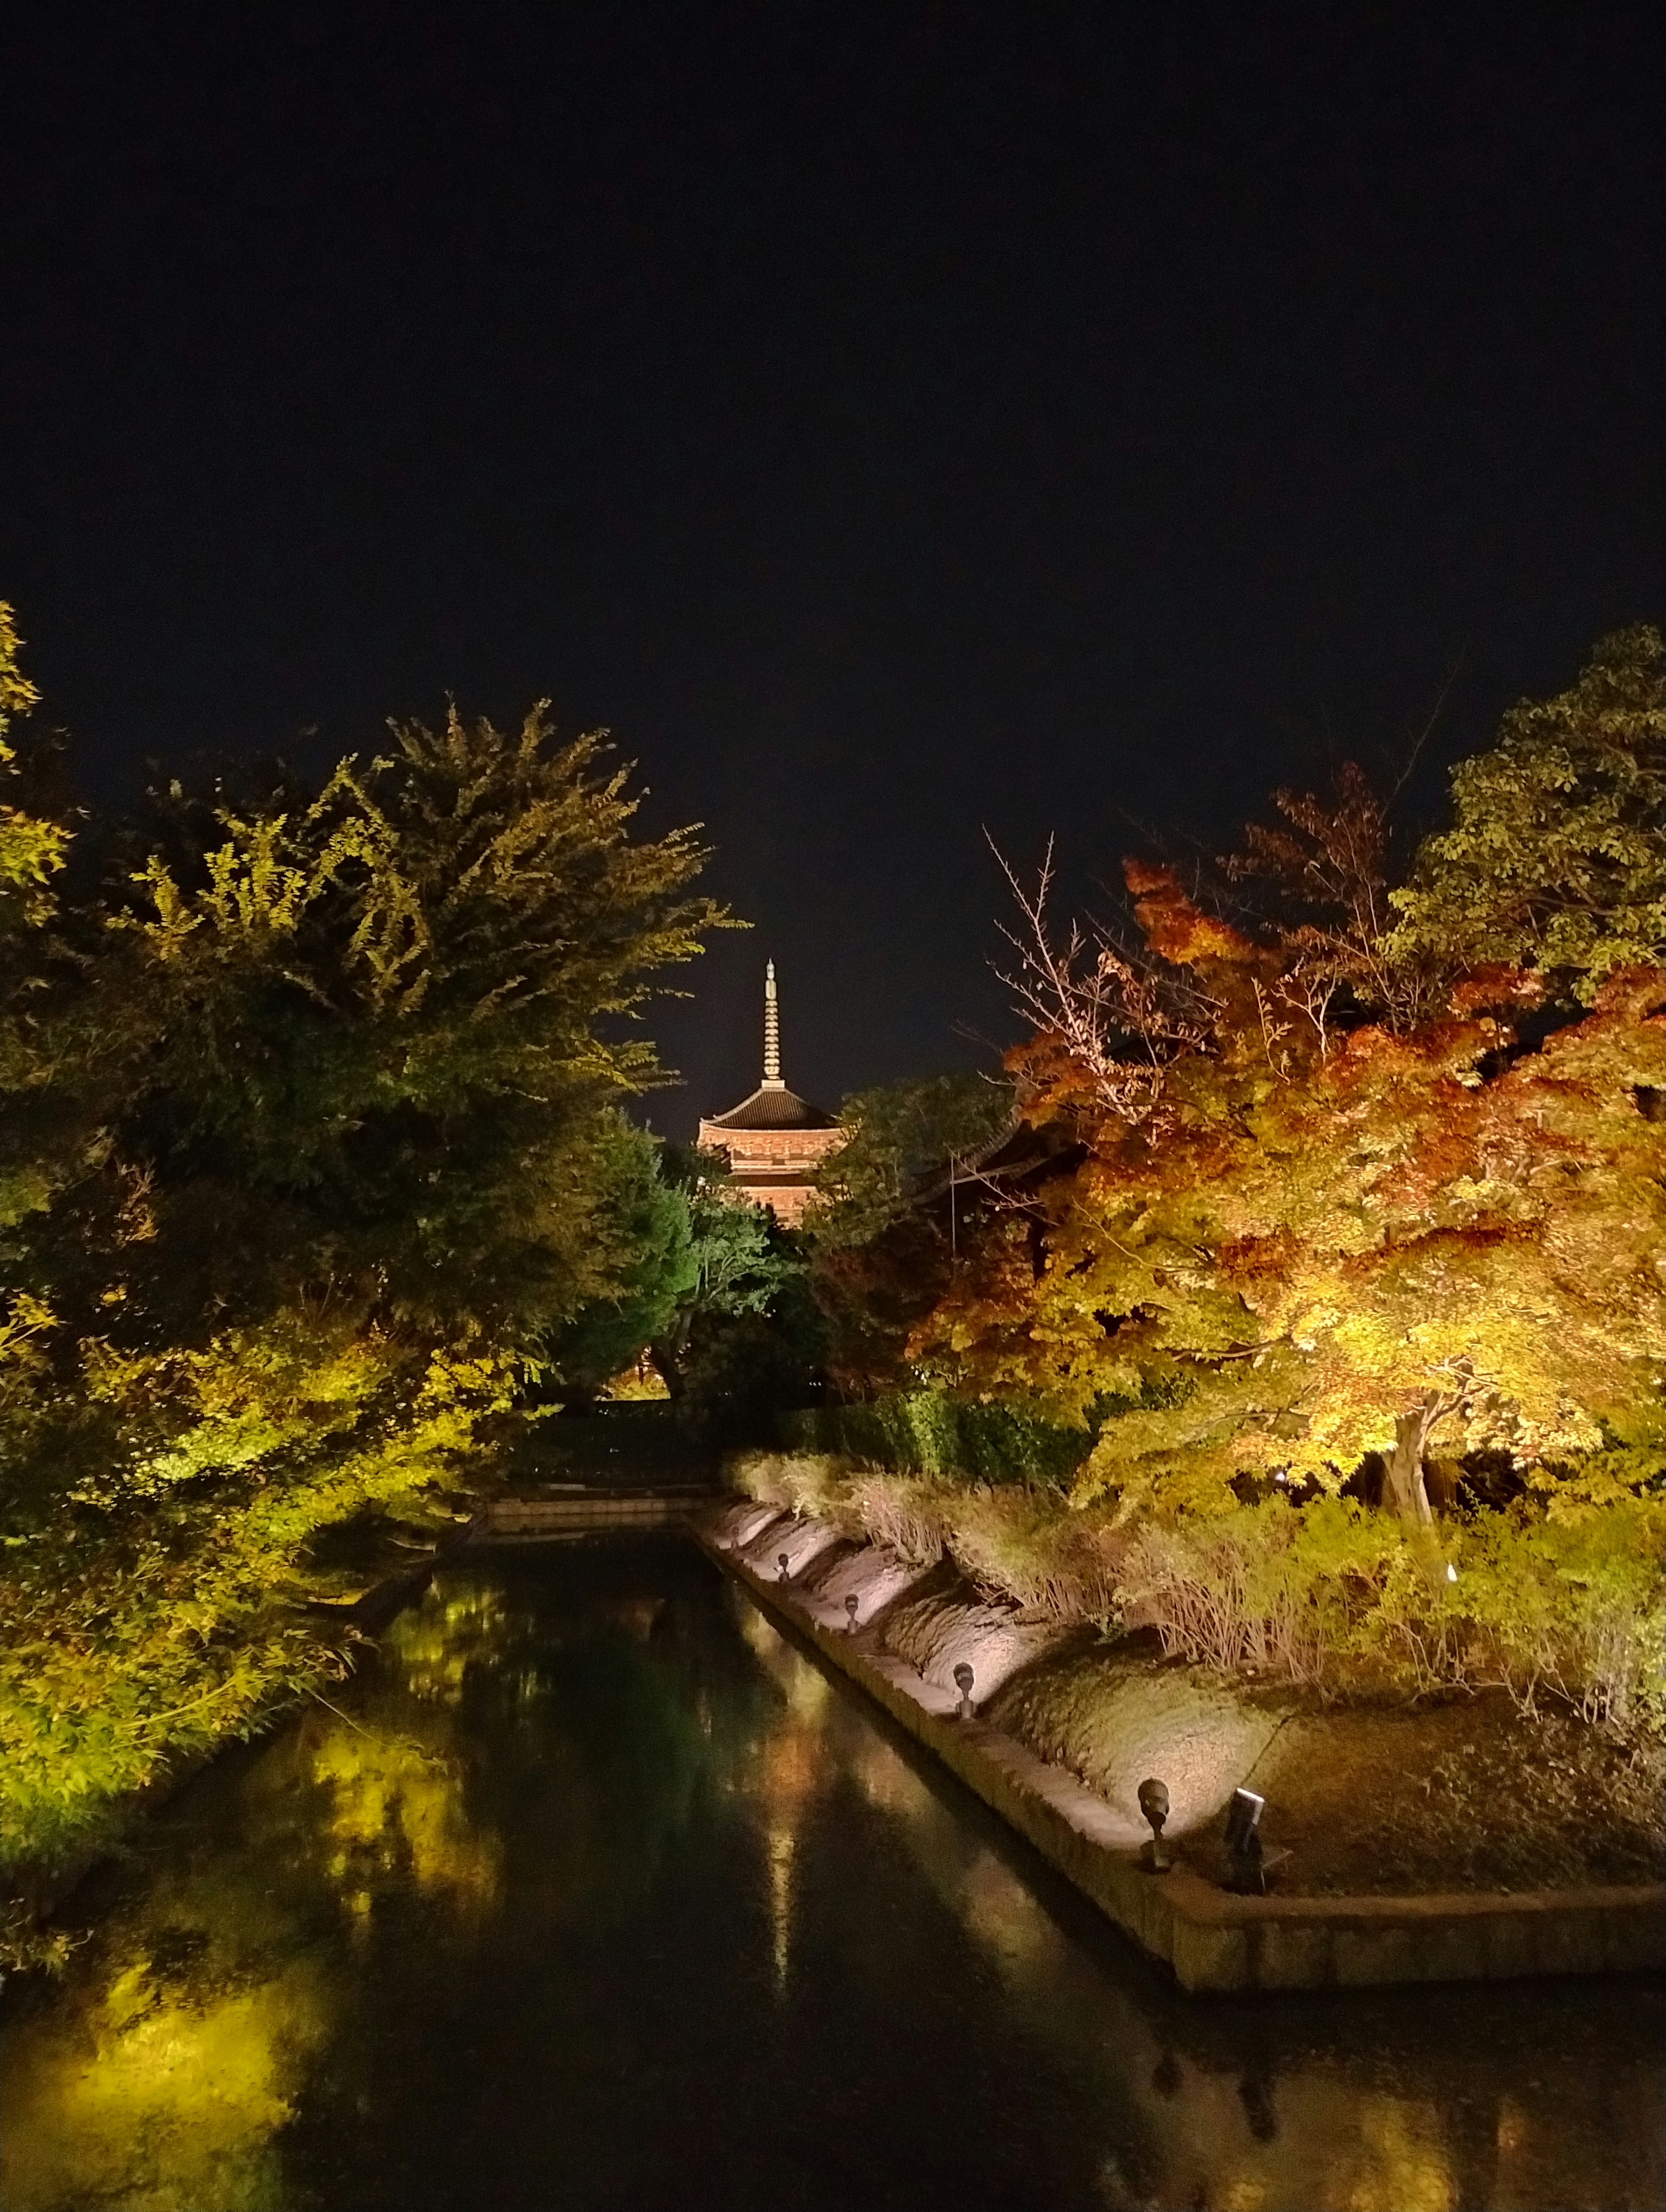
pixel 597 1891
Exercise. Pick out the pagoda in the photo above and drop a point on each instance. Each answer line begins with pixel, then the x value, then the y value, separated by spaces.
pixel 773 1139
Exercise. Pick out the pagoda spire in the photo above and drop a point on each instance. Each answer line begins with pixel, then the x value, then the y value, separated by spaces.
pixel 771 1030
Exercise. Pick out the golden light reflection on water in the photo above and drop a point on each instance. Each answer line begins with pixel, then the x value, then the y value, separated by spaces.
pixel 397 1810
pixel 791 1766
pixel 1398 2160
pixel 162 2083
pixel 154 2094
pixel 165 2075
pixel 781 1844
pixel 435 1643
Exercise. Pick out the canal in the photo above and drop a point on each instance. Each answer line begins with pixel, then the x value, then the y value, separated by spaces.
pixel 594 1891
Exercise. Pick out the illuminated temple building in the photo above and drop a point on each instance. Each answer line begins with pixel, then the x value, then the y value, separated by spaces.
pixel 775 1139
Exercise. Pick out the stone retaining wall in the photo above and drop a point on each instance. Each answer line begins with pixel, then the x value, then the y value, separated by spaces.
pixel 1211 1939
pixel 536 1520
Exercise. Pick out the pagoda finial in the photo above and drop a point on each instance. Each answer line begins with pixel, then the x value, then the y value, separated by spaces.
pixel 771 1030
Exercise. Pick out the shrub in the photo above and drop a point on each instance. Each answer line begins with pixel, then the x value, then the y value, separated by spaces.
pixel 1017 1542
pixel 1575 1607
pixel 929 1432
pixel 1333 1595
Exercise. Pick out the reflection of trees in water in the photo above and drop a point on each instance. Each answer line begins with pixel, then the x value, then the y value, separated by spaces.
pixel 161 2072
pixel 553 1749
pixel 1407 2100
pixel 167 2070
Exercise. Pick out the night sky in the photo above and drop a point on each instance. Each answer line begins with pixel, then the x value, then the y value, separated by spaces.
pixel 891 421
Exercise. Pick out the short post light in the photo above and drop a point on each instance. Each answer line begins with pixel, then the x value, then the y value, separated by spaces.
pixel 1244 1844
pixel 1154 1804
pixel 850 1613
pixel 963 1679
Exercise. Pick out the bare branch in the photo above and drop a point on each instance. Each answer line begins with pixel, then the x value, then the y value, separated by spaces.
pixel 1118 1020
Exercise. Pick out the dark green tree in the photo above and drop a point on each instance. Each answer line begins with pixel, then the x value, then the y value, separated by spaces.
pixel 898 1134
pixel 878 1259
pixel 1556 857
pixel 656 1277
pixel 742 1264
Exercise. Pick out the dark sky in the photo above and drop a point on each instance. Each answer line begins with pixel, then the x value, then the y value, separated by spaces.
pixel 890 420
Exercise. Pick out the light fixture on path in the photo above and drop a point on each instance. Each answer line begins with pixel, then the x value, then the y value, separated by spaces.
pixel 1154 1804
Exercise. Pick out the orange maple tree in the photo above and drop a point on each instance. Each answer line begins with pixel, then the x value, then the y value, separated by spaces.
pixel 1325 1214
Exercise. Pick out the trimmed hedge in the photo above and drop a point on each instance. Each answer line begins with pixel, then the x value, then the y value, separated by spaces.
pixel 928 1432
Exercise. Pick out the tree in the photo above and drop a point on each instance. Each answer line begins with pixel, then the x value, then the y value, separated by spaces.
pixel 384 1008
pixel 656 1276
pixel 896 1134
pixel 310 1147
pixel 879 1259
pixel 740 1265
pixel 1303 1236
pixel 32 850
pixel 1323 871
pixel 1556 859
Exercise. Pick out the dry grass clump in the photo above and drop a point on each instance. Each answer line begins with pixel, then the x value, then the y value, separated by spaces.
pixel 1018 1543
pixel 939 1629
pixel 803 1483
pixel 1230 1594
pixel 910 1515
pixel 1114 1718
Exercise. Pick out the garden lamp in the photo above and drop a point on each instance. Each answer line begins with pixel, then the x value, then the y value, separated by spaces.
pixel 1154 1804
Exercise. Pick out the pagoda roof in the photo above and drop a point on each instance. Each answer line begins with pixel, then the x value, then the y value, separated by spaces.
pixel 772 1106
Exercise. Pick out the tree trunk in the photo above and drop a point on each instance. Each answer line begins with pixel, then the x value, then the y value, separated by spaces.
pixel 1404 1464
pixel 664 1356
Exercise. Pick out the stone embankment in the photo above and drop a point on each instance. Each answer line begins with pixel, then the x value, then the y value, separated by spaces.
pixel 910 1627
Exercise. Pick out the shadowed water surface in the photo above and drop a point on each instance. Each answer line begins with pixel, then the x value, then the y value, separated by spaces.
pixel 596 1891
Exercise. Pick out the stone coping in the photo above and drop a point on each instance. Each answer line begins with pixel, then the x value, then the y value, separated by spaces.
pixel 1209 1938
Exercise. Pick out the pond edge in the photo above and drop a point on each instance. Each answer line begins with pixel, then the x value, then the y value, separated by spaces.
pixel 1210 1939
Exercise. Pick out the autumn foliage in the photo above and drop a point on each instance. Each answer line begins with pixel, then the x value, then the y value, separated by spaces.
pixel 1361 1211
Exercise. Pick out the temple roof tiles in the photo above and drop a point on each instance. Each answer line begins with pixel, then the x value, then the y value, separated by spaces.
pixel 772 1106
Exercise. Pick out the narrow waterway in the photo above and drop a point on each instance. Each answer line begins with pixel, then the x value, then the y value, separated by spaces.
pixel 596 1891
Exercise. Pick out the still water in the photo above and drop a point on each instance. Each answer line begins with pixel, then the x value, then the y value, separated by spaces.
pixel 596 1891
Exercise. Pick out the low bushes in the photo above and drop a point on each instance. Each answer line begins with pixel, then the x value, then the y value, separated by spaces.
pixel 1333 1595
pixel 1572 1607
pixel 928 1432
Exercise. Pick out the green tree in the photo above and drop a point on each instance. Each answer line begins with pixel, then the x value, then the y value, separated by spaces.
pixel 1556 857
pixel 311 1145
pixel 740 1263
pixel 897 1134
pixel 657 1275
pixel 397 1011
pixel 32 850
pixel 878 1259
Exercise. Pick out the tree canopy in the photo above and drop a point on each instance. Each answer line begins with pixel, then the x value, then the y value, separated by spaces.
pixel 311 1148
pixel 1321 1220
pixel 1556 857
